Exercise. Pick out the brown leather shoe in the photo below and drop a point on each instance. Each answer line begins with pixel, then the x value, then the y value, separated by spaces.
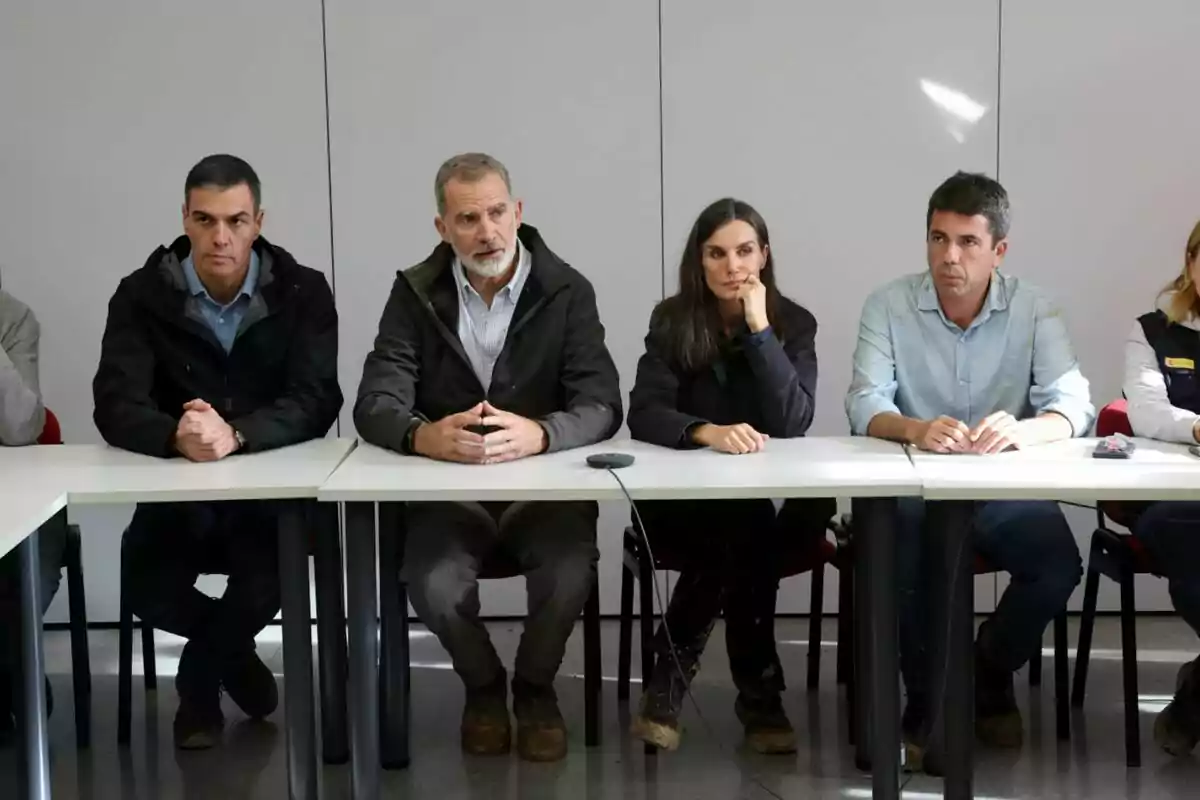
pixel 486 730
pixel 768 730
pixel 541 732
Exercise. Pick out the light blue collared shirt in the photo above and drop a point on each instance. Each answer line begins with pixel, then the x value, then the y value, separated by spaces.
pixel 223 320
pixel 483 330
pixel 1015 357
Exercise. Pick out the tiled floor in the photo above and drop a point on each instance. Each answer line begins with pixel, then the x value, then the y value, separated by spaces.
pixel 709 765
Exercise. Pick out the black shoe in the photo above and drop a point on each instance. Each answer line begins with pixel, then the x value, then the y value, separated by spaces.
pixel 1177 727
pixel 199 721
pixel 997 718
pixel 198 726
pixel 251 685
pixel 768 730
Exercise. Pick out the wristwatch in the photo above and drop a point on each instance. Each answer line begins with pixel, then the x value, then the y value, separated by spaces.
pixel 410 436
pixel 241 440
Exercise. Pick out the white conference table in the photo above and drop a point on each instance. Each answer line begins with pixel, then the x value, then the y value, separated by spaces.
pixel 97 474
pixel 1061 471
pixel 26 505
pixel 871 472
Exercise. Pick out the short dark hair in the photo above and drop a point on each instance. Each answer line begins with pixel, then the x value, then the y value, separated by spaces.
pixel 969 194
pixel 224 172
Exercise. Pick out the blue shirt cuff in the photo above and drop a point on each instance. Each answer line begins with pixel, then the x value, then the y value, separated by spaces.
pixel 760 337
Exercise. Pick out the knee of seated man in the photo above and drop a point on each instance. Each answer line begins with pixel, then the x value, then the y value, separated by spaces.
pixel 441 586
pixel 570 565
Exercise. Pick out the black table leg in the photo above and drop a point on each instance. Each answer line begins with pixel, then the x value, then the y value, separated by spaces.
pixel 952 650
pixel 331 633
pixel 364 650
pixel 297 652
pixel 35 736
pixel 394 685
pixel 878 696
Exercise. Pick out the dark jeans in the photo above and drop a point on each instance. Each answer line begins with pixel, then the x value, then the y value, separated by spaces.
pixel 732 554
pixel 1028 539
pixel 552 544
pixel 1171 532
pixel 51 541
pixel 168 545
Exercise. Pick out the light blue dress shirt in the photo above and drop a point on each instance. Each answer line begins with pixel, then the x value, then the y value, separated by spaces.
pixel 223 320
pixel 1015 357
pixel 483 330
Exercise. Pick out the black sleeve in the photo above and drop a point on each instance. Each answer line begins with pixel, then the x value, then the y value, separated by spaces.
pixel 125 413
pixel 388 390
pixel 589 379
pixel 654 414
pixel 786 373
pixel 312 397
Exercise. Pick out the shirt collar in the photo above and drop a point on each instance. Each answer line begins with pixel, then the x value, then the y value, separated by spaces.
pixel 514 285
pixel 996 300
pixel 196 288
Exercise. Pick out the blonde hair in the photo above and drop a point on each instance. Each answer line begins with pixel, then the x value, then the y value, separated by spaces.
pixel 1184 302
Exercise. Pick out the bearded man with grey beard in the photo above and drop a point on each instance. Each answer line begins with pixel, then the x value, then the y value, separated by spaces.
pixel 491 350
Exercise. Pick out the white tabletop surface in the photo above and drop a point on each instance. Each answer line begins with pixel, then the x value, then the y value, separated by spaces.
pixel 102 474
pixel 24 506
pixel 808 467
pixel 1063 471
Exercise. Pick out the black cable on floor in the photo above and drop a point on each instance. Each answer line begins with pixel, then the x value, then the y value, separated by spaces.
pixel 662 610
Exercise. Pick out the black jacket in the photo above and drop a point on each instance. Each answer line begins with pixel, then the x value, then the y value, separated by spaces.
pixel 277 386
pixel 553 368
pixel 757 380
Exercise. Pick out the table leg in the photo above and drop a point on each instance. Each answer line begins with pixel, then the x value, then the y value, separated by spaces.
pixel 297 652
pixel 394 685
pixel 364 649
pixel 331 633
pixel 952 651
pixel 878 702
pixel 35 737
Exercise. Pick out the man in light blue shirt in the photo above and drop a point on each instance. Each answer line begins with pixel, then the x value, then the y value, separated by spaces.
pixel 966 359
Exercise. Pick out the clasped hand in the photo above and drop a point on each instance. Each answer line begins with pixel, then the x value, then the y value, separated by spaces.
pixel 451 437
pixel 996 433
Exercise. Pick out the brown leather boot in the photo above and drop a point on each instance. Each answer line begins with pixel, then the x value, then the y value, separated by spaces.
pixel 541 732
pixel 486 730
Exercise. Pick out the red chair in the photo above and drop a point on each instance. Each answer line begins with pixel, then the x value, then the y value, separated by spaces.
pixel 1120 556
pixel 81 668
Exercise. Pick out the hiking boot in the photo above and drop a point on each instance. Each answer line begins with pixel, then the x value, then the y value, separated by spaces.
pixel 541 732
pixel 768 730
pixel 486 729
pixel 997 719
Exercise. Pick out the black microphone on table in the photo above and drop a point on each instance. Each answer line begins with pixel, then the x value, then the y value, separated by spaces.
pixel 609 460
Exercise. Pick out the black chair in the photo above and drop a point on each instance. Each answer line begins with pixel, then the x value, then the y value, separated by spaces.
pixel 1120 557
pixel 331 625
pixel 638 568
pixel 394 680
pixel 72 562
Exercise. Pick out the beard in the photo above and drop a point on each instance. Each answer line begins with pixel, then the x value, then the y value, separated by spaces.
pixel 492 267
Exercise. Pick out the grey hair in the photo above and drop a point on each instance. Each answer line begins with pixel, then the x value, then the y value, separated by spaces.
pixel 468 167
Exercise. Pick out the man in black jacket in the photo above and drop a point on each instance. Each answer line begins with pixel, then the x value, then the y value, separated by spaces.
pixel 488 351
pixel 220 344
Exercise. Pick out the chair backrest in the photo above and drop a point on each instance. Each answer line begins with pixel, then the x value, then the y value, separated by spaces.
pixel 1114 419
pixel 51 432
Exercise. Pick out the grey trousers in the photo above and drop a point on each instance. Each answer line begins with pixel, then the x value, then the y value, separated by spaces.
pixel 450 544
